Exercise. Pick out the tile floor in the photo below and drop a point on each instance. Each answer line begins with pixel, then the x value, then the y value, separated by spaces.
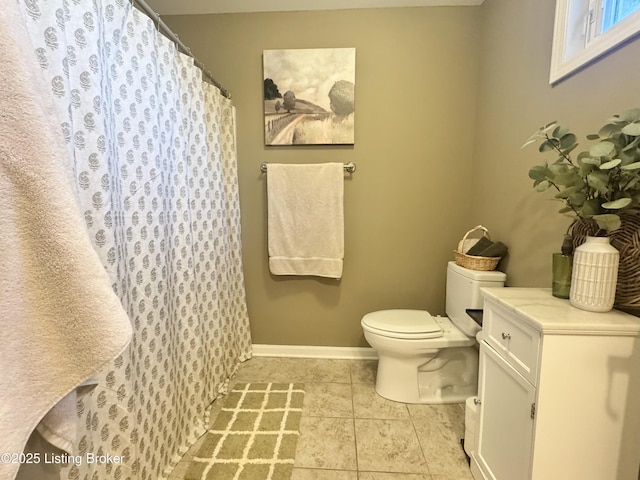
pixel 348 432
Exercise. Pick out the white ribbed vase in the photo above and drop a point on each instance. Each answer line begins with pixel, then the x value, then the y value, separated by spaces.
pixel 595 275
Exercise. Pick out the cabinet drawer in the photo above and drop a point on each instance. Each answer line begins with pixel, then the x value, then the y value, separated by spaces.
pixel 513 339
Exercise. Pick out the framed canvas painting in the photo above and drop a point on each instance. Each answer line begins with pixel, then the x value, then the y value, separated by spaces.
pixel 309 96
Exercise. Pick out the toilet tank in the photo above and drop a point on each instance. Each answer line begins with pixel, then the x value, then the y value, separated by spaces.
pixel 463 292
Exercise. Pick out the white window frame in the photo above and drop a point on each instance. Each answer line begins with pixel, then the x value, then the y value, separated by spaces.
pixel 569 52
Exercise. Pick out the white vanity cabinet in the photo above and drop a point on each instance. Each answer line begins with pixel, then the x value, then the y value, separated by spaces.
pixel 559 390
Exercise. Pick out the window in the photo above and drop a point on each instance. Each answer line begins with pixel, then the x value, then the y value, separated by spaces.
pixel 613 11
pixel 586 29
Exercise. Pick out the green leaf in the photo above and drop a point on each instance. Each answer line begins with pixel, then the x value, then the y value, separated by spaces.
pixel 543 185
pixel 593 136
pixel 631 166
pixel 631 184
pixel 634 153
pixel 548 127
pixel 632 144
pixel 538 134
pixel 608 130
pixel 577 199
pixel 610 164
pixel 547 145
pixel 590 207
pixel 628 156
pixel 632 129
pixel 558 168
pixel 632 115
pixel 591 161
pixel 566 193
pixel 569 179
pixel 586 169
pixel 617 204
pixel 599 181
pixel 608 222
pixel 560 131
pixel 538 172
pixel 602 149
pixel 567 140
pixel 567 151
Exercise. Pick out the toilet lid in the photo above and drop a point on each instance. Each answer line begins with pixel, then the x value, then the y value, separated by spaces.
pixel 403 323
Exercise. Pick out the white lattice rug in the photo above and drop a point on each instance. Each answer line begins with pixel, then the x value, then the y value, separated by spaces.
pixel 254 436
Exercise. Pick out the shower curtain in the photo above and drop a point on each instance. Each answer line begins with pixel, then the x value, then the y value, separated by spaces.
pixel 155 169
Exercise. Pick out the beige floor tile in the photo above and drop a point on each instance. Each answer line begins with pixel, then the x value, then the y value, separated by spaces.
pixel 442 448
pixel 394 441
pixel 364 371
pixel 327 400
pixel 326 443
pixel 388 446
pixel 464 476
pixel 275 369
pixel 268 369
pixel 368 404
pixel 392 476
pixel 447 415
pixel 317 474
pixel 323 370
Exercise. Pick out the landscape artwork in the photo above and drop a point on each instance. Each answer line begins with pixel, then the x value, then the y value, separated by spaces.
pixel 309 96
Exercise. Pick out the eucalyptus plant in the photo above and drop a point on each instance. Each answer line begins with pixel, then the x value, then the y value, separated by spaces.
pixel 596 185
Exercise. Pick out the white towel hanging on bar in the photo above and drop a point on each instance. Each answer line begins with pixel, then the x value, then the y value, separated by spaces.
pixel 306 219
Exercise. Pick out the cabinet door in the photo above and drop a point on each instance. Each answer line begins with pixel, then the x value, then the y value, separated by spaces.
pixel 505 431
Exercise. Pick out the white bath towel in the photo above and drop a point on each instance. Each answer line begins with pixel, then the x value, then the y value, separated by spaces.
pixel 60 319
pixel 306 219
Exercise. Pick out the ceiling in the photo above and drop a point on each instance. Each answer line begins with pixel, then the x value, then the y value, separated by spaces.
pixel 192 7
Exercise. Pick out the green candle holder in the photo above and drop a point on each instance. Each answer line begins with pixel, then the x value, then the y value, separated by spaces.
pixel 561 281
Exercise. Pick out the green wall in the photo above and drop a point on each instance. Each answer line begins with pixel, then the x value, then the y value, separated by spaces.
pixel 514 99
pixel 445 96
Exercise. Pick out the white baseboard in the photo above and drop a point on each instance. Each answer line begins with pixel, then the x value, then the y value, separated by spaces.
pixel 476 473
pixel 311 351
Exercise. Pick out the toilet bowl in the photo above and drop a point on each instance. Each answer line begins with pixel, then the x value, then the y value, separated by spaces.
pixel 427 359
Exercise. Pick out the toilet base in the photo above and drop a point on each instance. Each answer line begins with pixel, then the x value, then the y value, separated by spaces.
pixel 447 375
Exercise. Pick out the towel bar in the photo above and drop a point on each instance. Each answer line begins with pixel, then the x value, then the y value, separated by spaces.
pixel 348 167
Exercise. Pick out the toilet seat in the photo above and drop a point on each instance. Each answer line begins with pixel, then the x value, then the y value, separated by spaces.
pixel 403 324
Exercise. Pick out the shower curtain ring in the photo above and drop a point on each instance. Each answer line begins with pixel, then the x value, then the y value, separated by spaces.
pixel 157 16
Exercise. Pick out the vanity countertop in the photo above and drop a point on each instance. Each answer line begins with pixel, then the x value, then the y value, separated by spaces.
pixel 553 315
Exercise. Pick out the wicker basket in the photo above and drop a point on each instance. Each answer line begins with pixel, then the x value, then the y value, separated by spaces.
pixel 627 240
pixel 473 262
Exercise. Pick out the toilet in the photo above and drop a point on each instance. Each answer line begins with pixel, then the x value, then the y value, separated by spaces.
pixel 426 359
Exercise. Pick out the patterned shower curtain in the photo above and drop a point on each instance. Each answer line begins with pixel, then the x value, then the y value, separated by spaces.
pixel 155 168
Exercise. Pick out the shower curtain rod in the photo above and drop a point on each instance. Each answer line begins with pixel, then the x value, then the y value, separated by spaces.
pixel 165 30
